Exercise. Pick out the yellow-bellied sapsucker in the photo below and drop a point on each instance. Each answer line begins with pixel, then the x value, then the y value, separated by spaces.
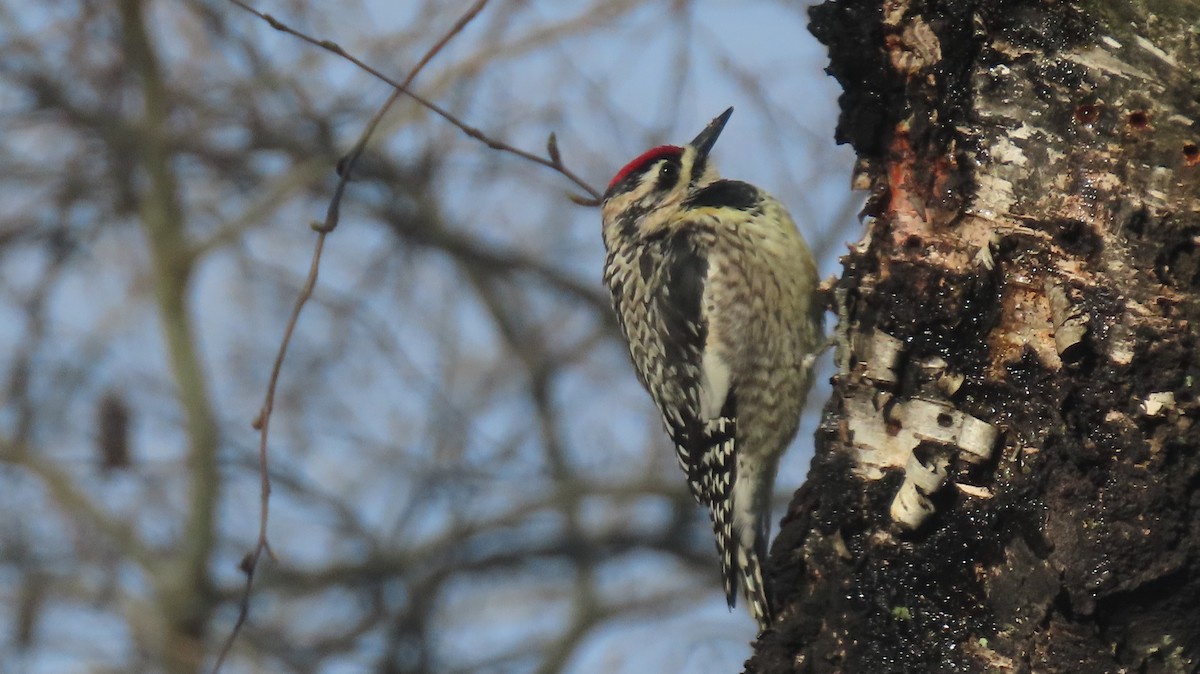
pixel 715 291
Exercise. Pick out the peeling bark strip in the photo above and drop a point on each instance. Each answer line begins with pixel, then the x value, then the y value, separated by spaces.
pixel 1007 478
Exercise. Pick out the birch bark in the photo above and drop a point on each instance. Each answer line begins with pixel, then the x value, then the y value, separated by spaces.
pixel 1007 476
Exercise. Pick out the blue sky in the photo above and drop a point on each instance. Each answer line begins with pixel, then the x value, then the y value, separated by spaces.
pixel 392 380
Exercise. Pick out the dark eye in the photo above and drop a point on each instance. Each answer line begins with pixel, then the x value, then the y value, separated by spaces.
pixel 667 174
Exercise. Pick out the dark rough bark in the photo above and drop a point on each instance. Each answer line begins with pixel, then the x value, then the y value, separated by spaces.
pixel 1017 349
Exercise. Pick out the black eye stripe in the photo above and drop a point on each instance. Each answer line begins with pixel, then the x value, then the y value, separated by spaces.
pixel 668 174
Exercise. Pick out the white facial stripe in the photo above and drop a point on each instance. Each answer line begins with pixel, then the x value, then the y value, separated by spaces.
pixel 646 184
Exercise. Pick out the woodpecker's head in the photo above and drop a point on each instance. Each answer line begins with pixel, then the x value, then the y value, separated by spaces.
pixel 650 188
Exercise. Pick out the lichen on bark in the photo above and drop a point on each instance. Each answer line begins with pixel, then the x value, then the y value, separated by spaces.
pixel 1032 250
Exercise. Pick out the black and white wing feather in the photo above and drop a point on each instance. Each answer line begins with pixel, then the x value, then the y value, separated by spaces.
pixel 703 425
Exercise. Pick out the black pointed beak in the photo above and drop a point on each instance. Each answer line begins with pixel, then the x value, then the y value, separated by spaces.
pixel 708 137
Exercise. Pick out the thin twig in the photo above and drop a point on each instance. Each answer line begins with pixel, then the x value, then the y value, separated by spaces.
pixel 263 422
pixel 553 163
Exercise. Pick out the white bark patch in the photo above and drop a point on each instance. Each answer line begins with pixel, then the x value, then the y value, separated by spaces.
pixel 1158 403
pixel 912 506
pixel 880 352
pixel 887 442
pixel 1158 53
pixel 1070 323
pixel 1005 151
pixel 994 196
pixel 1100 59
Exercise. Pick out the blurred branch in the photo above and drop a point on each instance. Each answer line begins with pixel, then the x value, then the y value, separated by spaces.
pixel 268 200
pixel 72 498
pixel 553 163
pixel 598 14
pixel 183 589
pixel 471 551
pixel 262 422
pixel 474 256
pixel 556 653
pixel 435 438
pixel 22 356
pixel 112 431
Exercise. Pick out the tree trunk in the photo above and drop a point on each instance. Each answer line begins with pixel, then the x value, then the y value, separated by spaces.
pixel 1007 476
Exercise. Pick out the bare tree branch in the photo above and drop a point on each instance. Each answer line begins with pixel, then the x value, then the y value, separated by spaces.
pixel 263 421
pixel 403 87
